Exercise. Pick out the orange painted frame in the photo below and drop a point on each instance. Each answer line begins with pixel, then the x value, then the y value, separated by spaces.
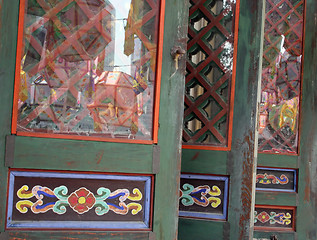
pixel 232 91
pixel 157 90
pixel 276 228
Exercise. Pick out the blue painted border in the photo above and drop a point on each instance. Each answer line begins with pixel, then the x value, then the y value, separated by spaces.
pixel 277 189
pixel 80 224
pixel 213 216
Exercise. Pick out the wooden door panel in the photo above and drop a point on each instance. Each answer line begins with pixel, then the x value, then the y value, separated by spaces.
pixel 159 158
pixel 7 48
pixel 95 156
pixel 303 199
pixel 238 161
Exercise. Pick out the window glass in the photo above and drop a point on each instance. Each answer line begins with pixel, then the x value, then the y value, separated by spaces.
pixel 281 76
pixel 88 68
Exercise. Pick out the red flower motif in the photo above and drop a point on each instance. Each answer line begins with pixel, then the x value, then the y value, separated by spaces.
pixel 263 217
pixel 82 200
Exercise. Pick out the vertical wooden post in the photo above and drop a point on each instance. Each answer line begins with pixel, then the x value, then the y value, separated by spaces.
pixel 171 111
pixel 307 163
pixel 242 158
pixel 8 32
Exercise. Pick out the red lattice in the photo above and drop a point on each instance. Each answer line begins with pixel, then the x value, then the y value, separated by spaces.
pixel 209 72
pixel 65 58
pixel 281 77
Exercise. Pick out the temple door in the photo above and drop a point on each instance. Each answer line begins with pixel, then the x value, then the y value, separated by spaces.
pixel 285 181
pixel 219 131
pixel 92 149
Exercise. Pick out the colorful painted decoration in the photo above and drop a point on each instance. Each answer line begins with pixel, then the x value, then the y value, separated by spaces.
pixel 68 200
pixel 203 196
pixel 88 68
pixel 271 179
pixel 274 217
pixel 81 200
pixel 206 195
pixel 276 179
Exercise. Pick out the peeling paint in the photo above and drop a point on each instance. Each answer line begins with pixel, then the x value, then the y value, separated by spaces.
pixel 195 156
pixel 99 156
pixel 246 188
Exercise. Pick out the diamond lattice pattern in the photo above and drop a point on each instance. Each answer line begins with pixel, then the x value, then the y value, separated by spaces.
pixel 281 76
pixel 209 72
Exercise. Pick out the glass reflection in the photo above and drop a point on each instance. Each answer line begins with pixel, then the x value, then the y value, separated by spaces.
pixel 88 67
pixel 281 77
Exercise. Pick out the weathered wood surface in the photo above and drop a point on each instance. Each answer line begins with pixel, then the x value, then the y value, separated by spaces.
pixel 242 158
pixel 276 198
pixel 307 161
pixel 89 155
pixel 8 34
pixel 24 235
pixel 240 162
pixel 171 112
pixel 57 154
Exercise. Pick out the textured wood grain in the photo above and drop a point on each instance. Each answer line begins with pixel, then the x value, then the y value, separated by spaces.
pixel 89 155
pixel 307 161
pixel 242 161
pixel 58 154
pixel 171 113
pixel 306 198
pixel 74 235
pixel 8 33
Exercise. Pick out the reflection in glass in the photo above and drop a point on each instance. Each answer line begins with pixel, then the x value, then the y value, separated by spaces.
pixel 209 73
pixel 281 77
pixel 88 67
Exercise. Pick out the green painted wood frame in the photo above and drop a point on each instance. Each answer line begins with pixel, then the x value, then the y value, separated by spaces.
pixel 306 162
pixel 240 162
pixel 38 153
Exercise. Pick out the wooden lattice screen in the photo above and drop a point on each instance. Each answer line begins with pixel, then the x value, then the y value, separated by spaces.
pixel 209 79
pixel 281 76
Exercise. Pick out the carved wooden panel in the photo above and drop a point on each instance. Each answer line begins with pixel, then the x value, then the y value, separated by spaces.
pixel 59 200
pixel 203 196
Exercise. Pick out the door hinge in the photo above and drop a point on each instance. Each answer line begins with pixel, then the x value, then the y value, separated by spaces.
pixel 156 159
pixel 9 152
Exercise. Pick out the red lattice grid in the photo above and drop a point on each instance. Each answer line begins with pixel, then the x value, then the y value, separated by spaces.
pixel 209 72
pixel 281 76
